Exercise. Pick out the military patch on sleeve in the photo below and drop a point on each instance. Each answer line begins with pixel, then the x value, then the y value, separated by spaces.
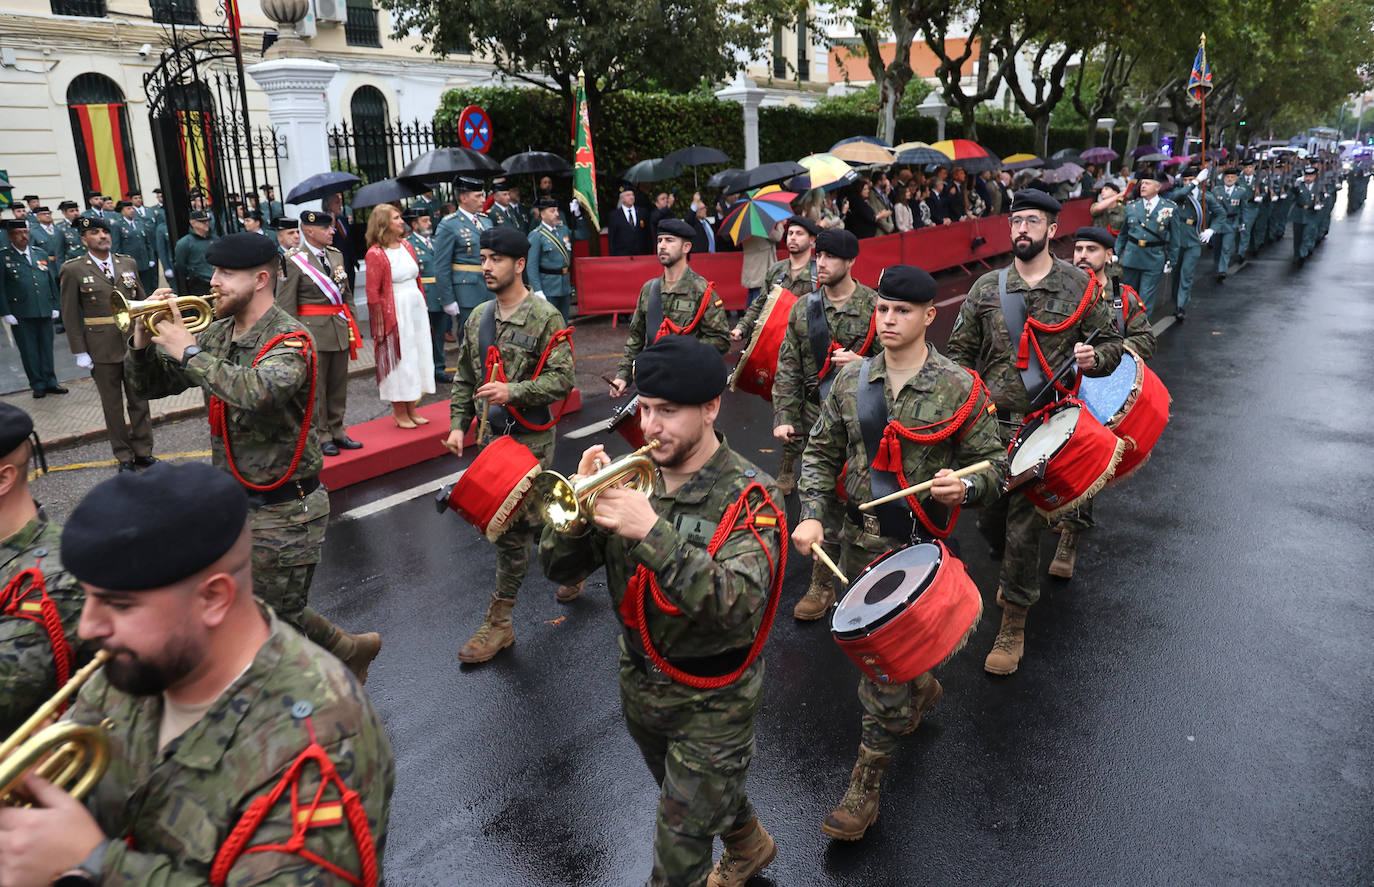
pixel 958 322
pixel 323 815
pixel 694 529
pixel 765 520
pixel 293 343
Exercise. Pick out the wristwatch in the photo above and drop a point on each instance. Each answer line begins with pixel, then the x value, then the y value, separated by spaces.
pixel 190 352
pixel 87 872
pixel 968 490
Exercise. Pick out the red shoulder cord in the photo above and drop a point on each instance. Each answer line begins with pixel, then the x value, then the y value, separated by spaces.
pixel 1030 340
pixel 889 455
pixel 862 350
pixel 26 597
pixel 634 609
pixel 219 427
pixel 302 815
pixel 668 328
pixel 495 371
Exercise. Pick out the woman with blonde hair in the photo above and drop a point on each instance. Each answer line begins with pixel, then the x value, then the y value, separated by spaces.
pixel 398 317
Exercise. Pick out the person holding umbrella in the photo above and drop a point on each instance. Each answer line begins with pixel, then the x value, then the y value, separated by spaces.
pixel 458 254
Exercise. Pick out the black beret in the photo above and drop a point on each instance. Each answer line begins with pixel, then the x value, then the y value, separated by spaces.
pixel 1111 183
pixel 16 225
pixel 147 530
pixel 199 215
pixel 1034 198
pixel 464 183
pixel 680 369
pixel 906 283
pixel 68 204
pixel 28 197
pixel 545 203
pixel 86 223
pixel 838 242
pixel 15 428
pixel 506 241
pixel 802 222
pixel 120 204
pixel 315 217
pixel 242 250
pixel 1096 235
pixel 675 228
pixel 285 224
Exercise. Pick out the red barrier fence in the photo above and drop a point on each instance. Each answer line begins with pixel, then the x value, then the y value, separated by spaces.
pixel 611 284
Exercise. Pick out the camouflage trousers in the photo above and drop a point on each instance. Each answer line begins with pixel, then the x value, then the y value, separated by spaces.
pixel 1013 521
pixel 698 745
pixel 288 542
pixel 513 546
pixel 1081 518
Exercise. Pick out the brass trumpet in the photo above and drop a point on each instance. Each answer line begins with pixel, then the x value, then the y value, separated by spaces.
pixel 567 505
pixel 71 756
pixel 196 311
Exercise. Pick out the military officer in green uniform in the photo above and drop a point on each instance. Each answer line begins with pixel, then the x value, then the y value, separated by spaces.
pixel 28 291
pixel 550 258
pixel 922 391
pixel 219 716
pixel 1190 198
pixel 45 237
pixel 156 210
pixel 826 329
pixel 1282 200
pixel 1306 203
pixel 458 253
pixel 95 206
pixel 427 202
pixel 66 226
pixel 287 233
pixel 700 604
pixel 421 239
pixel 131 237
pixel 257 406
pixel 193 271
pixel 1249 213
pixel 1109 210
pixel 1330 181
pixel 1148 242
pixel 29 650
pixel 523 329
pixel 1230 225
pixel 503 212
pixel 680 300
pixel 270 206
pixel 1262 201
pixel 1052 292
pixel 796 274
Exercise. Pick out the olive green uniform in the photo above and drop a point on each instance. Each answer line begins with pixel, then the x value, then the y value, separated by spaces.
pixel 331 332
pixel 28 292
pixel 510 216
pixel 681 299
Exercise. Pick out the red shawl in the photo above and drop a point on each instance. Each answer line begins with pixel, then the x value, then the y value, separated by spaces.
pixel 381 309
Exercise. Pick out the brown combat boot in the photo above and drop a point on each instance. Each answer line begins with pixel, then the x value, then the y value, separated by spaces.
pixel 748 850
pixel 1010 643
pixel 923 699
pixel 1065 555
pixel 494 635
pixel 787 474
pixel 569 593
pixel 859 809
pixel 818 597
pixel 355 651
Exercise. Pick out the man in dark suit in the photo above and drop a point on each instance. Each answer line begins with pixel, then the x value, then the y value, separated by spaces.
pixel 627 226
pixel 936 202
pixel 955 204
pixel 348 237
pixel 705 238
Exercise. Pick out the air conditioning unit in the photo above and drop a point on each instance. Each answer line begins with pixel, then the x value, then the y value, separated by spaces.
pixel 331 11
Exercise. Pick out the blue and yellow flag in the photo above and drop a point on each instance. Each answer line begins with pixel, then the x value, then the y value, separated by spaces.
pixel 1200 80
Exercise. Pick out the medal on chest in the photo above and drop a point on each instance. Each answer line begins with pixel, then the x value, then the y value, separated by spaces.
pixel 129 279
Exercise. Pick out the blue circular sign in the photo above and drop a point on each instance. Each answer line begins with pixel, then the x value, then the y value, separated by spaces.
pixel 474 129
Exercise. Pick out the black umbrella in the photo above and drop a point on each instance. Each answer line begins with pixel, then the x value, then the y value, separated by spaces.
pixel 921 157
pixel 386 191
pixel 442 164
pixel 655 169
pixel 322 184
pixel 697 155
pixel 976 164
pixel 534 163
pixel 767 174
pixel 719 180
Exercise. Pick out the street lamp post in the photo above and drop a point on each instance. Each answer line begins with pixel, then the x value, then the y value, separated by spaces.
pixel 932 106
pixel 1107 123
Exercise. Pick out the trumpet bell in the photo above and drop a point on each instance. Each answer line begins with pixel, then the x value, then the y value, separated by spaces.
pixel 196 311
pixel 560 508
pixel 567 506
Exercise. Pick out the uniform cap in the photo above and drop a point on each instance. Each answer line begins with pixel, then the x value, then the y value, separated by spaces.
pixel 199 215
pixel 285 224
pixel 266 188
pixel 28 197
pixel 675 228
pixel 43 209
pixel 16 225
pixel 463 184
pixel 906 283
pixel 1191 172
pixel 500 184
pixel 68 204
pixel 838 242
pixel 133 194
pixel 242 250
pixel 120 204
pixel 86 223
pixel 545 203
pixel 1096 235
pixel 1034 198
pixel 506 241
pixel 1157 175
pixel 680 369
pixel 15 428
pixel 150 529
pixel 315 217
pixel 1310 171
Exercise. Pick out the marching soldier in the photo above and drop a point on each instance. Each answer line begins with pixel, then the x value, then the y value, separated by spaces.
pixel 131 237
pixel 1190 197
pixel 40 602
pixel 28 291
pixel 1052 294
pixel 219 716
pixel 254 364
pixel 1249 213
pixel 550 258
pixel 796 274
pixel 679 302
pixel 1306 209
pixel 503 212
pixel 87 286
pixel 1262 201
pixel 1148 243
pixel 458 254
pixel 193 271
pixel 827 329
pixel 691 568
pixel 1283 201
pixel 941 417
pixel 422 241
pixel 1230 225
pixel 314 288
pixel 527 332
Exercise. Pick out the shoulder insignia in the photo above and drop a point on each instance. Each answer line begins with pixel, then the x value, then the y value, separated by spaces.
pixel 330 813
pixel 765 520
pixel 293 343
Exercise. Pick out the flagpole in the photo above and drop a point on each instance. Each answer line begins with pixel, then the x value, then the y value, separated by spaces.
pixel 1203 224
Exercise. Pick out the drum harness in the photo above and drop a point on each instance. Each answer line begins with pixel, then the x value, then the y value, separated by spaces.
pixel 15 601
pixel 823 346
pixel 664 326
pixel 539 418
pixel 1023 328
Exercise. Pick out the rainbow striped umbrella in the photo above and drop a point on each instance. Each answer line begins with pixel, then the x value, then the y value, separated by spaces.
pixel 756 215
pixel 968 154
pixel 824 171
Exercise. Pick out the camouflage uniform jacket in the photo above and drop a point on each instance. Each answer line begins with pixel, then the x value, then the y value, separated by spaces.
pixel 680 303
pixel 167 813
pixel 521 339
pixel 27 671
pixel 935 393
pixel 264 404
pixel 722 599
pixel 980 340
pixel 797 381
pixel 779 274
pixel 1126 308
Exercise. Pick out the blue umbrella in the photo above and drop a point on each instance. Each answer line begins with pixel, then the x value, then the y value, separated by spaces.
pixel 322 184
pixel 872 140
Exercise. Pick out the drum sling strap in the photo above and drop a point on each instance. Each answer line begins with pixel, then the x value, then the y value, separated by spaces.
pixel 219 422
pixel 494 370
pixel 818 335
pixel 1036 377
pixel 26 597
pixel 658 325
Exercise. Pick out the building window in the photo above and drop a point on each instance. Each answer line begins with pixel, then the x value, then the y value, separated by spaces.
pixel 803 56
pixel 779 60
pixel 178 12
pixel 370 149
pixel 88 8
pixel 100 131
pixel 361 27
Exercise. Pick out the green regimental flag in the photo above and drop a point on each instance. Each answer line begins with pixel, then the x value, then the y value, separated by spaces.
pixel 584 159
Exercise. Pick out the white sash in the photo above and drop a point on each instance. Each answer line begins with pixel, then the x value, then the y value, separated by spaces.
pixel 327 286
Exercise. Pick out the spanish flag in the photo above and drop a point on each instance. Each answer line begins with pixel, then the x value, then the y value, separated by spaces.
pixel 104 150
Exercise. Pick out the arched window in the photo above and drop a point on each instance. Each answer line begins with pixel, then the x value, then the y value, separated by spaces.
pixel 100 129
pixel 370 151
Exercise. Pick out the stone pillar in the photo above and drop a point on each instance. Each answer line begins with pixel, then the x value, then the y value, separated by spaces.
pixel 743 90
pixel 295 90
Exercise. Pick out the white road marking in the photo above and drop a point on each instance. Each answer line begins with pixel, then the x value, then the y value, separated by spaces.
pixel 428 488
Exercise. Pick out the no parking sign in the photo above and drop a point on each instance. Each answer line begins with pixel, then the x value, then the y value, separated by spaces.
pixel 474 129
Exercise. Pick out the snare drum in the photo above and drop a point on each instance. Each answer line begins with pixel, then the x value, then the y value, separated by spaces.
pixel 907 612
pixel 1070 454
pixel 758 365
pixel 1134 404
pixel 492 490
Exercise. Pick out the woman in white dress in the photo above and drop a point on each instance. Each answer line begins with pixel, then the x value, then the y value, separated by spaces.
pixel 398 317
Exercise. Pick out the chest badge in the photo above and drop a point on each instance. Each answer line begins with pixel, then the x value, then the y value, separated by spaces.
pixel 130 279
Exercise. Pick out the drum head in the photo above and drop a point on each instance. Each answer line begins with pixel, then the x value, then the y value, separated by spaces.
pixel 1106 395
pixel 1043 441
pixel 884 589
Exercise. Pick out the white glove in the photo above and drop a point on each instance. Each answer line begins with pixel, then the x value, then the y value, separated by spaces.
pixel 56 314
pixel 11 320
pixel 575 207
pixel 1259 197
pixel 84 361
pixel 540 294
pixel 452 309
pixel 1316 207
pixel 169 274
pixel 1168 266
pixel 1206 235
pixel 1202 176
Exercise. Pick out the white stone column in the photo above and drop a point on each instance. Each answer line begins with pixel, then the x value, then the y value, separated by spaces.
pixel 743 90
pixel 298 110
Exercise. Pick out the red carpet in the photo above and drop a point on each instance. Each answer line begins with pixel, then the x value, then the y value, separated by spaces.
pixel 387 448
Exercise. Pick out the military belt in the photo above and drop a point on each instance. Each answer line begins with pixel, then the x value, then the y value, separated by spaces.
pixel 294 489
pixel 553 270
pixel 1190 221
pixel 1150 242
pixel 701 666
pixel 477 268
pixel 97 321
pixel 426 279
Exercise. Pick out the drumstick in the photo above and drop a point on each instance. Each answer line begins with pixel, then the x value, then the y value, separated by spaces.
pixel 825 559
pixel 925 485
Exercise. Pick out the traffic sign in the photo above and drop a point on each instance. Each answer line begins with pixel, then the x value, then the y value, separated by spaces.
pixel 474 129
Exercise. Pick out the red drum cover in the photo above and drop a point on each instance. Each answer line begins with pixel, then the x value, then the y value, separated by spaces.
pixel 758 365
pixel 490 492
pixel 1082 456
pixel 1141 423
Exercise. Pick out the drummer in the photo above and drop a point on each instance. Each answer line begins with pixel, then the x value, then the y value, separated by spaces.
pixel 941 417
pixel 1093 254
pixel 796 273
pixel 828 329
pixel 1061 312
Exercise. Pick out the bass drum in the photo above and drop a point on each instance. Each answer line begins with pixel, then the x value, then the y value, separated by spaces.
pixel 1073 454
pixel 1134 404
pixel 492 490
pixel 758 365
